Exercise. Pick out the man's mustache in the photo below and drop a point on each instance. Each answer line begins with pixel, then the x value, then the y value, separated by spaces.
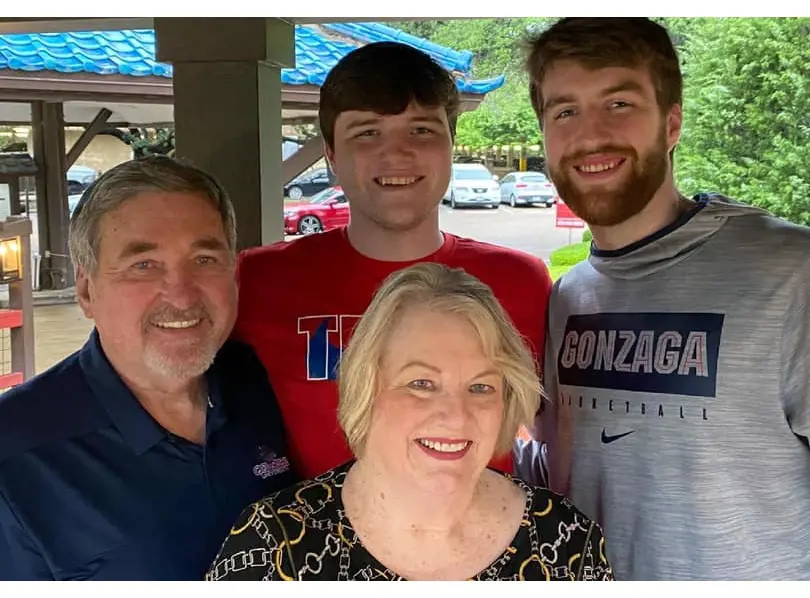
pixel 579 156
pixel 171 314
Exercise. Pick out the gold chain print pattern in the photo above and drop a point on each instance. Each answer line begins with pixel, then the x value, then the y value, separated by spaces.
pixel 302 533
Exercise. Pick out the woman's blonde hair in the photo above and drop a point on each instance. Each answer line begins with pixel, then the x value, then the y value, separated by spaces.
pixel 435 287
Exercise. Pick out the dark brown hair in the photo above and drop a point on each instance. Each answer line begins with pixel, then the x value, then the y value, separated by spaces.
pixel 598 42
pixel 385 77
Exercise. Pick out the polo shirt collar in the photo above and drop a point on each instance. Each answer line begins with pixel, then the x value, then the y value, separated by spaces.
pixel 138 428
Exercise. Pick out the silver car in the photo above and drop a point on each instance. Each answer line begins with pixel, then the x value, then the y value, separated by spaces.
pixel 527 189
pixel 473 185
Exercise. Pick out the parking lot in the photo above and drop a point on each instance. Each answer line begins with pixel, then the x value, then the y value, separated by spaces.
pixel 530 229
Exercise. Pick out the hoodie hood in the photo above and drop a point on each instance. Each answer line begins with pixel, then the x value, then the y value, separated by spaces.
pixel 674 243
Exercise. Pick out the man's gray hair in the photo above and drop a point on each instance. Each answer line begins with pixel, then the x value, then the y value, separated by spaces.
pixel 142 175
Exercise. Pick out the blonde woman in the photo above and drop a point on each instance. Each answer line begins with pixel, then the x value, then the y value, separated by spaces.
pixel 433 384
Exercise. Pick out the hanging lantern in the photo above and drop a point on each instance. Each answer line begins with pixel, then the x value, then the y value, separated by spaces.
pixel 10 260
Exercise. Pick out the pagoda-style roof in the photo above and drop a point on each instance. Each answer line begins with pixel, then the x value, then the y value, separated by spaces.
pixel 120 67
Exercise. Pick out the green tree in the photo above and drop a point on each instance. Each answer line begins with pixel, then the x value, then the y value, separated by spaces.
pixel 506 115
pixel 145 142
pixel 425 29
pixel 747 113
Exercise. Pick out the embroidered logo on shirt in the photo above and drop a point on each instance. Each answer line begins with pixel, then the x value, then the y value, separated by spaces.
pixel 270 464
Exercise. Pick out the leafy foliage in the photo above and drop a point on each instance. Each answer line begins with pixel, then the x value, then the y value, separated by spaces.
pixel 747 113
pixel 145 142
pixel 506 115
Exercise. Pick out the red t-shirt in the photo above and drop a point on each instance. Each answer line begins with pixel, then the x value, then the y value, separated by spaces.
pixel 299 301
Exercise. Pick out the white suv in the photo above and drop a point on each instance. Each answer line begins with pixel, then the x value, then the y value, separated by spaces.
pixel 473 185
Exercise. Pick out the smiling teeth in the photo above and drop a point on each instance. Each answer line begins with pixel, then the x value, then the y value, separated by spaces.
pixel 444 447
pixel 397 180
pixel 182 324
pixel 597 167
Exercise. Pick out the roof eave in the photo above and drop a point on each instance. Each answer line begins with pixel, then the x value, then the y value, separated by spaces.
pixel 65 87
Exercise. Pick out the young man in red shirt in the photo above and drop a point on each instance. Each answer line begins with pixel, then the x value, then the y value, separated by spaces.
pixel 387 115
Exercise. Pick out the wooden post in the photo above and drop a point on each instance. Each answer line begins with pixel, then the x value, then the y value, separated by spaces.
pixel 48 132
pixel 14 195
pixel 20 299
pixel 97 125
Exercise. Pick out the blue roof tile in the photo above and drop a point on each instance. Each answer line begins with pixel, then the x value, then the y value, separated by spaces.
pixel 132 53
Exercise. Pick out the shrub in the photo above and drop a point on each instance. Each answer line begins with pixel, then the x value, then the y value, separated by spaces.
pixel 570 255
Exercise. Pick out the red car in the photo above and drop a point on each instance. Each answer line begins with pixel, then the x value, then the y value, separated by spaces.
pixel 326 210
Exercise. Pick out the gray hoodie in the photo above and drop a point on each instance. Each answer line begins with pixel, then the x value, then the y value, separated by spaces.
pixel 679 371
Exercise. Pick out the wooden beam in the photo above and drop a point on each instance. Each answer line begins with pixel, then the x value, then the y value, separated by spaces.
pixel 306 96
pixel 87 85
pixel 113 125
pixel 96 125
pixel 22 96
pixel 67 87
pixel 14 196
pixel 66 24
pixel 469 102
pixel 306 156
pixel 300 120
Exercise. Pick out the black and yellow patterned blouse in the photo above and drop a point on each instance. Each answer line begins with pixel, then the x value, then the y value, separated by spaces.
pixel 302 533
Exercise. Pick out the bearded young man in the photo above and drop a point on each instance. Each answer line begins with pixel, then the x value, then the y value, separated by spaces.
pixel 678 360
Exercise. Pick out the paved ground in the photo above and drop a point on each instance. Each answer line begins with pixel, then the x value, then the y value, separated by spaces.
pixel 528 229
pixel 61 329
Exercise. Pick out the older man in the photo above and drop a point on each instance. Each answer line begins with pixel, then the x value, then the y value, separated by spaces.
pixel 131 458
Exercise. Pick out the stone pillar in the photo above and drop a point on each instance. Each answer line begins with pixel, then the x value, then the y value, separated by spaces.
pixel 227 109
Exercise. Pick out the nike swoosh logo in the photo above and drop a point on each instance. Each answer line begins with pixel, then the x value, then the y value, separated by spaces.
pixel 608 439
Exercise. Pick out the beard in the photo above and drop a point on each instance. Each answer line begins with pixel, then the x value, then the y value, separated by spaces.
pixel 183 363
pixel 614 203
pixel 184 358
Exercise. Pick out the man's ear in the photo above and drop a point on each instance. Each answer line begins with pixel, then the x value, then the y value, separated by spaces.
pixel 674 126
pixel 329 154
pixel 83 292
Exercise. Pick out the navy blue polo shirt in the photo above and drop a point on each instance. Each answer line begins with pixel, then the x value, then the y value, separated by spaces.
pixel 92 487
